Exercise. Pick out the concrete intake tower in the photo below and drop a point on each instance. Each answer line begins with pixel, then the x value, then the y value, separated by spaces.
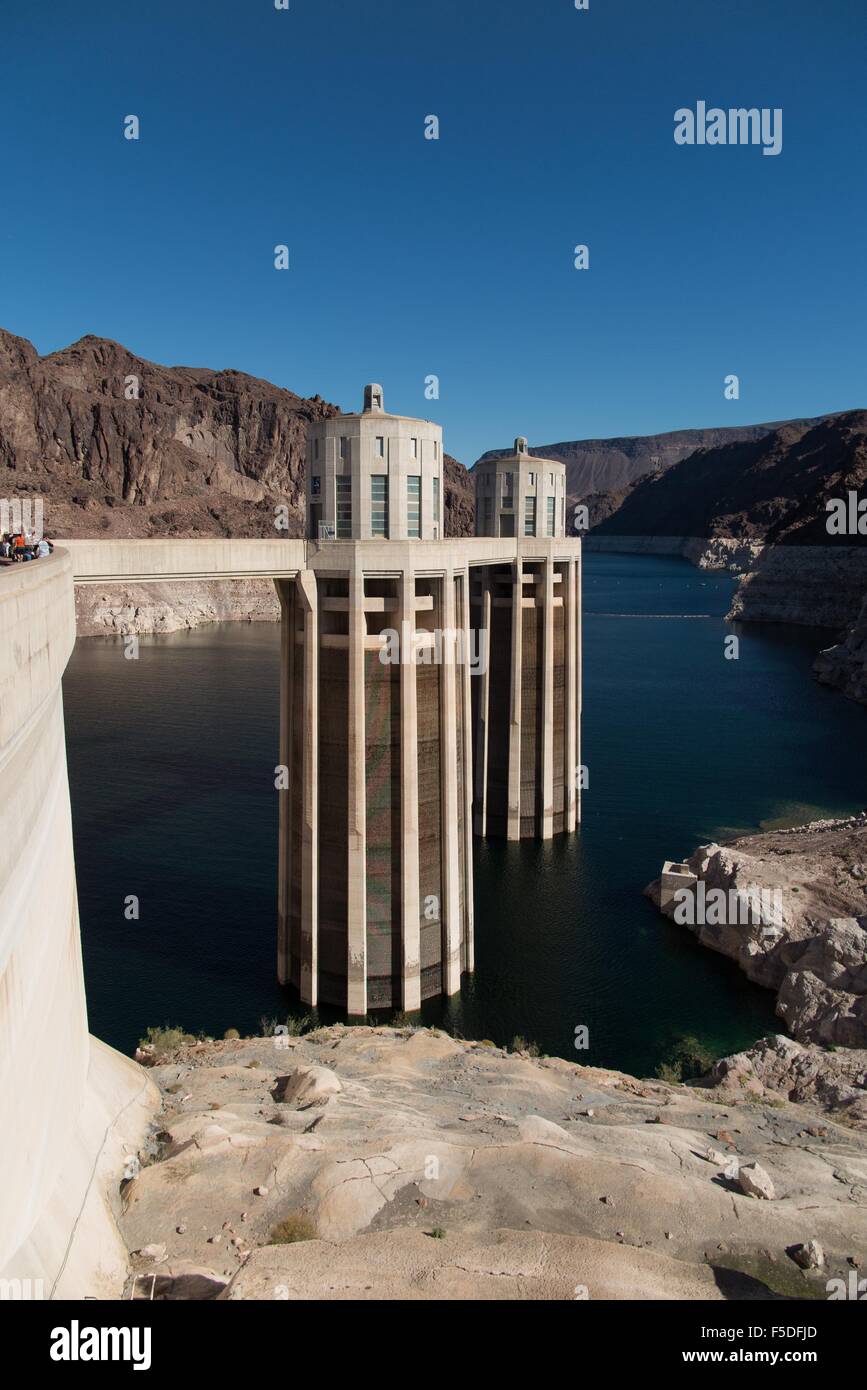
pixel 430 690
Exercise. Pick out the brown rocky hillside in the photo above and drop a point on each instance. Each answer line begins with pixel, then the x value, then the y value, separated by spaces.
pixel 596 467
pixel 773 490
pixel 198 453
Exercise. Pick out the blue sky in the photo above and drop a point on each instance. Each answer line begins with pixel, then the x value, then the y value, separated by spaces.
pixel 411 257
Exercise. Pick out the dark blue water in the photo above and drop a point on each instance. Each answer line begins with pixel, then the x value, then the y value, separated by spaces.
pixel 171 766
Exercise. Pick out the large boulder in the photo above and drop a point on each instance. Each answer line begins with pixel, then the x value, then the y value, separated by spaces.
pixel 307 1086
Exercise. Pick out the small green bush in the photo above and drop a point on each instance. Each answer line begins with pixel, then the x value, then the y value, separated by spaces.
pixel 520 1044
pixel 292 1228
pixel 296 1026
pixel 164 1041
pixel 688 1059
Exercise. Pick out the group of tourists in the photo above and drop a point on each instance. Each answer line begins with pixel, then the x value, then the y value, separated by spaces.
pixel 21 545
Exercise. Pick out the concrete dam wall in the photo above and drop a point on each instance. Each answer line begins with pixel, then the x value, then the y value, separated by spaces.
pixel 71 1109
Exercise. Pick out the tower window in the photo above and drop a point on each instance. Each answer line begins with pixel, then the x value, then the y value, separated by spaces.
pixel 413 505
pixel 549 505
pixel 344 446
pixel 316 447
pixel 414 443
pixel 344 509
pixel 380 446
pixel 436 499
pixel 530 516
pixel 379 504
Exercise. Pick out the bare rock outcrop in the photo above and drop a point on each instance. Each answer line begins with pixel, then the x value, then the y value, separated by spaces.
pixel 812 949
pixel 438 1168
pixel 121 446
pixel 844 665
pixel 810 586
pixel 109 610
pixel 834 1080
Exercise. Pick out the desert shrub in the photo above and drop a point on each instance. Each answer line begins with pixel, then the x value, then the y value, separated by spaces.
pixel 689 1058
pixel 296 1026
pixel 520 1044
pixel 294 1227
pixel 402 1020
pixel 164 1041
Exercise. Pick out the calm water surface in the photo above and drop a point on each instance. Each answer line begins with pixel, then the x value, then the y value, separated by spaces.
pixel 172 764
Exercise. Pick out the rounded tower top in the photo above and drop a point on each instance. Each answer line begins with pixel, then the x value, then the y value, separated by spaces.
pixel 520 494
pixel 373 401
pixel 374 475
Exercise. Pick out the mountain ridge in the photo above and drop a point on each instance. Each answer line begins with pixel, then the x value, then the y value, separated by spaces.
pixel 122 446
pixel 597 466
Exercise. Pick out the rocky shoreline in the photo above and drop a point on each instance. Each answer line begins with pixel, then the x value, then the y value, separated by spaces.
pixel 112 610
pixel 812 950
pixel 402 1163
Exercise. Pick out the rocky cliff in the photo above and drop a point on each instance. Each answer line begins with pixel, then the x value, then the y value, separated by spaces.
pixel 120 446
pixel 382 1163
pixel 844 665
pixel 771 490
pixel 812 951
pixel 605 468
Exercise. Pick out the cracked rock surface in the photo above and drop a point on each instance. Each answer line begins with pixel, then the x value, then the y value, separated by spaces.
pixel 413 1165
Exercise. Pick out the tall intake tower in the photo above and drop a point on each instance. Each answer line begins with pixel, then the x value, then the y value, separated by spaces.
pixel 408 659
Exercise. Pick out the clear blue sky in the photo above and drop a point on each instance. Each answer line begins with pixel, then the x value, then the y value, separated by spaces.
pixel 454 257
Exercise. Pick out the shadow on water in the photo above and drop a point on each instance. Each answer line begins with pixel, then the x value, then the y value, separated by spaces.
pixel 172 763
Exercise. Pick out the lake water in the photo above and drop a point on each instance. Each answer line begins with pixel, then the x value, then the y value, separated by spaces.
pixel 172 759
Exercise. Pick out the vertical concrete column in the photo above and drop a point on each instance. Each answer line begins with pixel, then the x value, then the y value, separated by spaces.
pixel 546 825
pixel 410 934
pixel 484 655
pixel 356 906
pixel 308 596
pixel 513 809
pixel 484 679
pixel 570 628
pixel 579 670
pixel 285 590
pixel 449 766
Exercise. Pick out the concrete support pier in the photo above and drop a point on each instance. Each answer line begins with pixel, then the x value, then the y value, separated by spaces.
pixel 527 708
pixel 375 861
